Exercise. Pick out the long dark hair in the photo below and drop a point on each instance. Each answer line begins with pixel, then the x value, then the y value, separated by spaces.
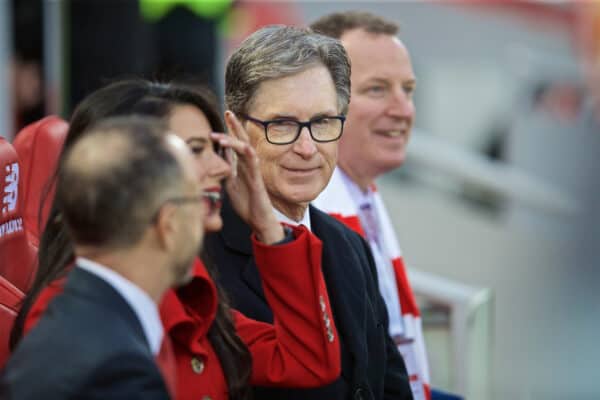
pixel 56 249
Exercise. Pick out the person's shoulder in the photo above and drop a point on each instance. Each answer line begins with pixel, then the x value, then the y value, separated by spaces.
pixel 324 220
pixel 336 234
pixel 77 331
pixel 77 359
pixel 78 320
pixel 56 354
pixel 82 322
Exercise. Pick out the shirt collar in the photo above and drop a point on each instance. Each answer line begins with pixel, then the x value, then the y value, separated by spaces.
pixel 305 220
pixel 359 196
pixel 142 305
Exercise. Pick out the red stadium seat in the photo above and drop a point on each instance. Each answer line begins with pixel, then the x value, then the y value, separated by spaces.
pixel 10 298
pixel 38 146
pixel 17 255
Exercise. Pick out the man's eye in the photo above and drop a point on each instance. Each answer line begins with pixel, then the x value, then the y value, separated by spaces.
pixel 376 90
pixel 283 126
pixel 285 123
pixel 323 122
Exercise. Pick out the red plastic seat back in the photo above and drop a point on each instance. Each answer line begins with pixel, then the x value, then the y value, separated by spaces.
pixel 38 146
pixel 10 301
pixel 17 256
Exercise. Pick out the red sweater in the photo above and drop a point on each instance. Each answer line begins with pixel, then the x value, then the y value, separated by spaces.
pixel 295 351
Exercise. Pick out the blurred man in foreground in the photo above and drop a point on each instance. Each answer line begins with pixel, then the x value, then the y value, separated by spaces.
pixel 127 191
pixel 378 127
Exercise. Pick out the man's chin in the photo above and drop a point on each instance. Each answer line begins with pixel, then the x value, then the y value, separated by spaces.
pixel 388 164
pixel 186 276
pixel 306 193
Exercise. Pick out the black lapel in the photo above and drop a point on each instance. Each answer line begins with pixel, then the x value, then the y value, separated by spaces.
pixel 235 232
pixel 236 236
pixel 345 284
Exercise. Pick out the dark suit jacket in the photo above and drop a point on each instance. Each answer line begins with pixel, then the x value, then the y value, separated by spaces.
pixel 88 345
pixel 371 365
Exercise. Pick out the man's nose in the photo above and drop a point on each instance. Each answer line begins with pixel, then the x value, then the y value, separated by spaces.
pixel 401 104
pixel 305 145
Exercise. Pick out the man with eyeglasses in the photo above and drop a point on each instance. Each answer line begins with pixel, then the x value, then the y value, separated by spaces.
pixel 289 88
pixel 131 202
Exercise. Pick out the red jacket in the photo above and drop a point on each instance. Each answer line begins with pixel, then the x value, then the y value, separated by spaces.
pixel 301 349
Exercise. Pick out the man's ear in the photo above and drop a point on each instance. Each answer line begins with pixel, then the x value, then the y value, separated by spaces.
pixel 166 226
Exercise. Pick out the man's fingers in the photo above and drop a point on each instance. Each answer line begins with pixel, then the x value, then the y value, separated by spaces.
pixel 227 141
pixel 242 148
pixel 235 126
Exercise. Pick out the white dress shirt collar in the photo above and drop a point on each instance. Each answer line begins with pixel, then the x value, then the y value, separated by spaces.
pixel 284 218
pixel 141 303
pixel 359 196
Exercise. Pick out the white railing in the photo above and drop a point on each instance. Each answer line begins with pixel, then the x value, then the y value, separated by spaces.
pixel 471 331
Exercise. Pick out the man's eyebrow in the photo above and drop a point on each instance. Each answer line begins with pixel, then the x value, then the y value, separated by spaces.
pixel 282 116
pixel 376 79
pixel 386 81
pixel 328 113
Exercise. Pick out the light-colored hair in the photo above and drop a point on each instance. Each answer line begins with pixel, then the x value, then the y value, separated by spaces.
pixel 114 179
pixel 336 24
pixel 279 51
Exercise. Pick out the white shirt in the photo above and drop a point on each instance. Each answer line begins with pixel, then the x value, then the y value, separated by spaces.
pixel 140 302
pixel 385 269
pixel 284 218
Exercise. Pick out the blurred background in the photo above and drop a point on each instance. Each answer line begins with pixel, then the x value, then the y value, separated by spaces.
pixel 498 206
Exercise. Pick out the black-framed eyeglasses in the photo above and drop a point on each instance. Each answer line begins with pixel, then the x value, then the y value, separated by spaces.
pixel 285 131
pixel 211 199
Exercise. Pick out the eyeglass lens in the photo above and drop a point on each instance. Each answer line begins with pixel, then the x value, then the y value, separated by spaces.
pixel 286 131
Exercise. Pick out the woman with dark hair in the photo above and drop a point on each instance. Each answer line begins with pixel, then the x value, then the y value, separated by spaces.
pixel 218 351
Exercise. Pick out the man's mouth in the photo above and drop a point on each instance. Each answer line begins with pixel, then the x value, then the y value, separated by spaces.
pixel 391 134
pixel 301 169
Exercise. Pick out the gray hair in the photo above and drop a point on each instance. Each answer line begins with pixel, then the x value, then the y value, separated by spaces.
pixel 278 51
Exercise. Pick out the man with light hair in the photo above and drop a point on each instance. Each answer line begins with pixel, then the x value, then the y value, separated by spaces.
pixel 129 196
pixel 378 126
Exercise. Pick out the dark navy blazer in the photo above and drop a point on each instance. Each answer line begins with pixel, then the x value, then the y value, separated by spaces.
pixel 89 344
pixel 372 368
